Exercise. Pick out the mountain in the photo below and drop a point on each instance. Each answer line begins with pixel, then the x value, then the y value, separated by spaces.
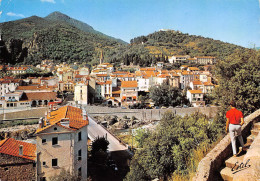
pixel 56 37
pixel 58 16
pixel 158 46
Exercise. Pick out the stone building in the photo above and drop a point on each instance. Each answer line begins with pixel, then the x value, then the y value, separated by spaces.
pixel 62 143
pixel 17 160
pixel 81 93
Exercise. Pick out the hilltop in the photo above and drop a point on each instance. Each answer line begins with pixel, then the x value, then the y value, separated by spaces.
pixel 158 46
pixel 56 37
pixel 60 17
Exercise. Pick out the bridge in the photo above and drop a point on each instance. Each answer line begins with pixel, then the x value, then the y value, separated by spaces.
pixel 95 130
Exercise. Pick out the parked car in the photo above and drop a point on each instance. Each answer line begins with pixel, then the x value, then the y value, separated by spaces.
pixel 185 106
pixel 208 105
pixel 178 107
pixel 123 107
pixel 170 107
pixel 163 107
pixel 156 107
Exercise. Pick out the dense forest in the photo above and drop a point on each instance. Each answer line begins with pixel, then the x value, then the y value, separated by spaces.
pixel 48 38
pixel 159 46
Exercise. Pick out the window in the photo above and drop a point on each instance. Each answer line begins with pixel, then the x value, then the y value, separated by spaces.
pixel 79 136
pixel 79 155
pixel 43 163
pixel 43 179
pixel 55 129
pixel 55 141
pixel 79 172
pixel 43 141
pixel 55 162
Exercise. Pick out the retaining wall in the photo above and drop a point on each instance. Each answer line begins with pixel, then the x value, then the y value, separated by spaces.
pixel 209 166
pixel 148 114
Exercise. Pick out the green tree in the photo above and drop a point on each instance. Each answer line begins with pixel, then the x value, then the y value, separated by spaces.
pixel 239 76
pixel 99 144
pixel 141 135
pixel 165 95
pixel 169 148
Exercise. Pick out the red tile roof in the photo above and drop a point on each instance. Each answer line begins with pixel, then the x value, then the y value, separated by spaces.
pixel 39 96
pixel 197 83
pixel 73 114
pixel 10 146
pixel 129 84
pixel 195 91
pixel 36 87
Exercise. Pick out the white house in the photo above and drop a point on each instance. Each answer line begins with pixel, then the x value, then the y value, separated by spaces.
pixel 81 93
pixel 129 91
pixel 62 143
pixel 7 86
pixel 195 97
pixel 143 83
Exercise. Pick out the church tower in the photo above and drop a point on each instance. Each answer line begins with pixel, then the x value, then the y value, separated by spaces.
pixel 101 60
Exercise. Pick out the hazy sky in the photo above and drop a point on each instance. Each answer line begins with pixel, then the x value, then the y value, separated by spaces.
pixel 234 21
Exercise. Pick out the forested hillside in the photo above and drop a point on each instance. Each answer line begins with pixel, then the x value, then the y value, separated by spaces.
pixel 62 38
pixel 57 40
pixel 158 46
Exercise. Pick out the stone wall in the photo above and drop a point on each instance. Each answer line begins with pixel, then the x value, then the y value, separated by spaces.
pixel 148 114
pixel 209 166
pixel 16 168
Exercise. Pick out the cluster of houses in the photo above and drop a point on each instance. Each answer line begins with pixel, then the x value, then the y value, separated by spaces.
pixel 64 130
pixel 61 143
pixel 103 84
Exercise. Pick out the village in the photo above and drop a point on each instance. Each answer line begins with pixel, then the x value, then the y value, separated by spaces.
pixel 104 84
pixel 69 92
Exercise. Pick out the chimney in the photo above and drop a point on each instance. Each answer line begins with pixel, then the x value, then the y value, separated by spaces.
pixel 46 113
pixel 84 115
pixel 6 135
pixel 41 122
pixel 20 149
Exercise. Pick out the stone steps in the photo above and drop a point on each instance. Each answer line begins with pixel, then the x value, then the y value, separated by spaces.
pixel 255 132
pixel 250 138
pixel 257 125
pixel 227 174
pixel 232 163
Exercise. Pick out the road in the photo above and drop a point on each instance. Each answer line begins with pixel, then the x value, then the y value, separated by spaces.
pixel 95 130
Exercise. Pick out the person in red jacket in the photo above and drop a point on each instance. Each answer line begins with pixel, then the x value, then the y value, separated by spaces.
pixel 235 120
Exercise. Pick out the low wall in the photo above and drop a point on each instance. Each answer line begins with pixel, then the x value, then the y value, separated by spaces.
pixel 148 114
pixel 209 166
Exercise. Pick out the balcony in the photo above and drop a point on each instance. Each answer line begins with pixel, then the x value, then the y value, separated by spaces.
pixel 12 100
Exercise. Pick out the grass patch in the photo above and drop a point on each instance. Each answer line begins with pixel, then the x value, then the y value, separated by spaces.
pixel 6 124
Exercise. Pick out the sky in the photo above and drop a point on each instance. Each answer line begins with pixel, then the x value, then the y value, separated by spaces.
pixel 233 21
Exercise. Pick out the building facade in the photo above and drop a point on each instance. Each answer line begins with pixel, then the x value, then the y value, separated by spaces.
pixel 62 143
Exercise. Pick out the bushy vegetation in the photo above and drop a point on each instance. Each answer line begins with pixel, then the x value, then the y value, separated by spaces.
pixel 239 78
pixel 165 95
pixel 6 124
pixel 171 147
